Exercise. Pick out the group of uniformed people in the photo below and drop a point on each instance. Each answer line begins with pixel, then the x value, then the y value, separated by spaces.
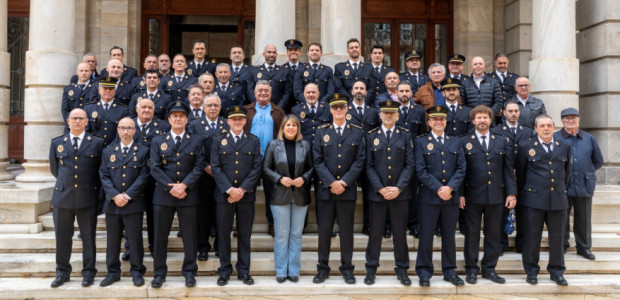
pixel 173 141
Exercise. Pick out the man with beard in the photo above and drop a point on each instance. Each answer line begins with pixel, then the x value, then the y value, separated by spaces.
pixel 458 122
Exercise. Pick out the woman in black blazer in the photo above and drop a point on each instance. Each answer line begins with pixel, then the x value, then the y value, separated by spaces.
pixel 288 164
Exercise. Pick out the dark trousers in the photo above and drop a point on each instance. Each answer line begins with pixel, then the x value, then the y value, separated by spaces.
pixel 245 219
pixel 518 228
pixel 206 210
pixel 187 225
pixel 132 224
pixel 398 210
pixel 582 222
pixel 63 229
pixel 268 189
pixel 344 210
pixel 367 211
pixel 492 214
pixel 148 196
pixel 413 205
pixel 534 219
pixel 429 216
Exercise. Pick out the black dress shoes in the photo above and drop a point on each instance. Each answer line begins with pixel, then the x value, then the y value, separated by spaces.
pixel 280 279
pixel 404 279
pixel 293 278
pixel 585 253
pixel 370 278
pixel 559 280
pixel 203 255
pixel 454 280
pixel 223 280
pixel 425 282
pixel 158 281
pixel 438 232
pixel 138 281
pixel 387 233
pixel 365 231
pixel 493 277
pixel 320 277
pixel 179 234
pixel 88 281
pixel 125 256
pixel 190 281
pixel 246 279
pixel 109 280
pixel 348 278
pixel 334 234
pixel 531 279
pixel 415 232
pixel 471 278
pixel 59 281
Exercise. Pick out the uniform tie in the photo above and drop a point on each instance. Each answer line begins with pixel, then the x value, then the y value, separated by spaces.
pixel 75 143
pixel 339 131
pixel 223 88
pixel 236 70
pixel 213 127
pixel 453 108
pixel 294 67
pixel 503 77
pixel 198 67
pixel 236 138
pixel 81 85
pixel 178 141
pixel 125 149
pixel 316 67
pixel 439 140
pixel 179 78
pixel 270 68
pixel 106 106
pixel 312 112
pixel 151 96
pixel 514 131
pixel 389 135
pixel 196 113
pixel 484 142
pixel 548 145
pixel 405 108
pixel 354 67
pixel 144 129
pixel 360 111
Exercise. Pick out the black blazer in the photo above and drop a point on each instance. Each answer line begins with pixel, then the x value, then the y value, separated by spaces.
pixel 275 166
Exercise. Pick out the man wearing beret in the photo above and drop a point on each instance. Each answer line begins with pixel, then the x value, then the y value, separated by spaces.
pixel 177 162
pixel 586 159
pixel 236 165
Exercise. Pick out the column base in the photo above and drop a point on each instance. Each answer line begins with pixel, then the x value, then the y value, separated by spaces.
pixel 35 173
pixel 21 206
pixel 4 174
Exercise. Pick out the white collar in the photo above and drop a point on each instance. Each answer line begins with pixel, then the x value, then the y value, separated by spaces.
pixel 174 135
pixel 442 136
pixel 341 126
pixel 128 146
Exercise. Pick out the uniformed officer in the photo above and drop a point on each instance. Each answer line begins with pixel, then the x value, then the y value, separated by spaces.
pixel 507 80
pixel 207 82
pixel 390 86
pixel 314 72
pixel 377 54
pixel 74 161
pixel 489 186
pixel 543 169
pixel 275 75
pixel 458 122
pixel 151 90
pixel 124 172
pixel 129 73
pixel 339 155
pixel 413 61
pixel 348 72
pixel 236 165
pixel 196 98
pixel 455 67
pixel 91 60
pixel 230 94
pixel 76 95
pixel 240 72
pixel 311 113
pixel 199 65
pixel 105 114
pixel 389 167
pixel 138 84
pixel 177 83
pixel 440 168
pixel 516 132
pixel 293 66
pixel 122 89
pixel 177 161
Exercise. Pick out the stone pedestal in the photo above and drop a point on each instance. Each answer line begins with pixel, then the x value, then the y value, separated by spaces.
pixel 275 23
pixel 5 101
pixel 554 69
pixel 50 62
pixel 598 49
pixel 340 21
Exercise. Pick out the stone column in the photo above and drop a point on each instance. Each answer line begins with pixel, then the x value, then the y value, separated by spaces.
pixel 340 21
pixel 518 35
pixel 275 23
pixel 474 31
pixel 5 99
pixel 50 63
pixel 554 69
pixel 598 49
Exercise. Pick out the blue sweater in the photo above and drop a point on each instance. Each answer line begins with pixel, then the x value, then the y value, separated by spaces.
pixel 586 159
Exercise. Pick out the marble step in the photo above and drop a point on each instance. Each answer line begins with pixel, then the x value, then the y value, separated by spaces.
pixel 43 264
pixel 385 287
pixel 45 242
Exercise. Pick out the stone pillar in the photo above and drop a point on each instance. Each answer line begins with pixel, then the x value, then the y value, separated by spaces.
pixel 5 99
pixel 474 31
pixel 50 63
pixel 518 35
pixel 598 49
pixel 340 21
pixel 554 68
pixel 275 23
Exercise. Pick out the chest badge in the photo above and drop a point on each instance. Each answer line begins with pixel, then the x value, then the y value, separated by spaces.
pixel 306 74
pixel 326 138
pixel 430 147
pixel 71 93
pixel 376 142
pixel 259 75
pixel 170 83
pixel 94 114
pixel 532 152
pixel 468 146
pixel 348 117
pixel 112 158
pixel 164 147
pixel 60 148
pixel 224 142
pixel 346 72
pixel 302 114
pixel 189 71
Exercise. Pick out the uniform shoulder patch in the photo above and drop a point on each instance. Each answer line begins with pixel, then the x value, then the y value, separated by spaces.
pixel 355 126
pixel 373 130
pixel 323 126
pixel 403 129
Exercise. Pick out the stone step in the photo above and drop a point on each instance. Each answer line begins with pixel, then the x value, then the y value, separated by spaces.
pixel 386 287
pixel 43 264
pixel 261 242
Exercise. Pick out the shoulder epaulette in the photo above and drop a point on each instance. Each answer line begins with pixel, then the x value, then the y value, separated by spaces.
pixel 356 126
pixel 403 129
pixel 323 126
pixel 373 130
pixel 60 136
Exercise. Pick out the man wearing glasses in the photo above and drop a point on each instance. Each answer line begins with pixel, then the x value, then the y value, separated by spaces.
pixel 529 106
pixel 75 195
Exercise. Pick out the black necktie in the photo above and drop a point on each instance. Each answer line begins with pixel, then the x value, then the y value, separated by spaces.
pixel 415 79
pixel 144 129
pixel 405 111
pixel 453 108
pixel 236 139
pixel 223 88
pixel 213 127
pixel 514 131
pixel 360 111
pixel 198 67
pixel 294 67
pixel 439 140
pixel 548 145
pixel 339 131
pixel 312 111
pixel 389 135
pixel 75 143
pixel 354 67
pixel 236 70
pixel 81 85
pixel 178 141
pixel 270 68
pixel 196 113
pixel 106 106
pixel 503 77
pixel 316 67
pixel 377 70
pixel 484 142
pixel 125 149
pixel 151 96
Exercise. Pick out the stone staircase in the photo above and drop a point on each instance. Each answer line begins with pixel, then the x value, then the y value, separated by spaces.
pixel 27 267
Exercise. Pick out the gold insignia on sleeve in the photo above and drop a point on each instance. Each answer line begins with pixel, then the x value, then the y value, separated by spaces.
pixel 94 114
pixel 468 146
pixel 306 74
pixel 348 117
pixel 60 148
pixel 302 114
pixel 376 142
pixel 430 147
pixel 346 72
pixel 71 93
pixel 163 147
pixel 326 138
pixel 532 152
pixel 112 158
pixel 259 75
pixel 170 83
pixel 224 142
